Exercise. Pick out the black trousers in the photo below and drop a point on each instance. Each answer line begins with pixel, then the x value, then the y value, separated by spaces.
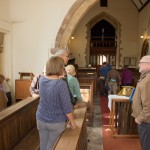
pixel 144 133
pixel 8 94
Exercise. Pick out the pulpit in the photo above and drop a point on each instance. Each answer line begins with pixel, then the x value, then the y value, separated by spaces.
pixel 22 85
pixel 121 123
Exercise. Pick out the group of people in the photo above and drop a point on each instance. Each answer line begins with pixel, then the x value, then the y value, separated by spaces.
pixel 141 97
pixel 110 79
pixel 58 89
pixel 59 93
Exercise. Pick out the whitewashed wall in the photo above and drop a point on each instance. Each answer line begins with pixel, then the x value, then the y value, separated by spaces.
pixel 36 23
pixel 33 26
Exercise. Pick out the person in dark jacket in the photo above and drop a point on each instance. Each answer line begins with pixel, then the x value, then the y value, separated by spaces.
pixel 104 69
pixel 126 76
pixel 64 54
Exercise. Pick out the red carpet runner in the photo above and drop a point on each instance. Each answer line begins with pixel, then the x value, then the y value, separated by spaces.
pixel 117 143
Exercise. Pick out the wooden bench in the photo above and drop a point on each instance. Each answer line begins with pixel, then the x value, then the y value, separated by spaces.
pixel 89 80
pixel 74 139
pixel 87 96
pixel 87 75
pixel 18 128
pixel 77 138
pixel 29 142
pixel 16 122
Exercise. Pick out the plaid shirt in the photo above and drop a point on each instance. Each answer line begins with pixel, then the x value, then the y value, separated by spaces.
pixel 34 88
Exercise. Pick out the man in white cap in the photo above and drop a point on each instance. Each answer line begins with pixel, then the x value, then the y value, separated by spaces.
pixel 141 103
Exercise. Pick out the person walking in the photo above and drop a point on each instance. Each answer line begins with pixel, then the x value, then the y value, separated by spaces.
pixel 141 103
pixel 126 76
pixel 113 80
pixel 103 71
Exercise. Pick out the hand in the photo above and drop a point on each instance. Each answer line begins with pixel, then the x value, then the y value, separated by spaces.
pixel 61 77
pixel 35 95
pixel 76 106
pixel 137 121
pixel 72 125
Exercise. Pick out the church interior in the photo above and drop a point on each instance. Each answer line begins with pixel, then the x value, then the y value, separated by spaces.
pixel 94 31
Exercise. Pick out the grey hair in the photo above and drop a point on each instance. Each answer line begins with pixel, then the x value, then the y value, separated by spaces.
pixel 61 52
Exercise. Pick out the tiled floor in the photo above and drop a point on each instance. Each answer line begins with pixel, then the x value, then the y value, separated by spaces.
pixel 95 131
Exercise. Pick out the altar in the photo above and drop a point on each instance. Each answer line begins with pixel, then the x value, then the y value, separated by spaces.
pixel 121 123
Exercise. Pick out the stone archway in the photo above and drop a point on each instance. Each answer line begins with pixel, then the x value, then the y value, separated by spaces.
pixel 145 48
pixel 115 23
pixel 74 15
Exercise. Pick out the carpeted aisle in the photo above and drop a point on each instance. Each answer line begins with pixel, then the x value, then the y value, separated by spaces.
pixel 118 143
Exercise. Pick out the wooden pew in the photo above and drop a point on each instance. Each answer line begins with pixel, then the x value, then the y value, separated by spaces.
pixel 16 122
pixel 74 139
pixel 18 128
pixel 89 80
pixel 3 101
pixel 77 138
pixel 87 96
pixel 88 75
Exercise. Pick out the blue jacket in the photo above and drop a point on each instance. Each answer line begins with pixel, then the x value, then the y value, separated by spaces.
pixel 104 70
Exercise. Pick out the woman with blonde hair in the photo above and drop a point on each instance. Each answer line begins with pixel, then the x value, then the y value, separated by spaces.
pixel 73 82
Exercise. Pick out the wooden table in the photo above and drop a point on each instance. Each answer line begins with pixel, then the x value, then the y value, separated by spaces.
pixel 22 89
pixel 121 123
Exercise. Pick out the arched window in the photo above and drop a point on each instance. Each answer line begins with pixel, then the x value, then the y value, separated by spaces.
pixel 145 48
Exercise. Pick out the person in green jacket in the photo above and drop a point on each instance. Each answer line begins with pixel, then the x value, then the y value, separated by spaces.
pixel 73 82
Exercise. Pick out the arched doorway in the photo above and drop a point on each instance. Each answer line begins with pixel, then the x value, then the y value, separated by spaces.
pixel 110 48
pixel 103 44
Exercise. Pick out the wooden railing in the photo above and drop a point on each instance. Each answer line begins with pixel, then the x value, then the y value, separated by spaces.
pixel 121 123
pixel 18 128
pixel 75 139
pixel 108 44
pixel 16 122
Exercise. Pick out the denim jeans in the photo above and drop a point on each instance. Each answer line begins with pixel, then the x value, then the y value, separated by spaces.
pixel 144 133
pixel 49 133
